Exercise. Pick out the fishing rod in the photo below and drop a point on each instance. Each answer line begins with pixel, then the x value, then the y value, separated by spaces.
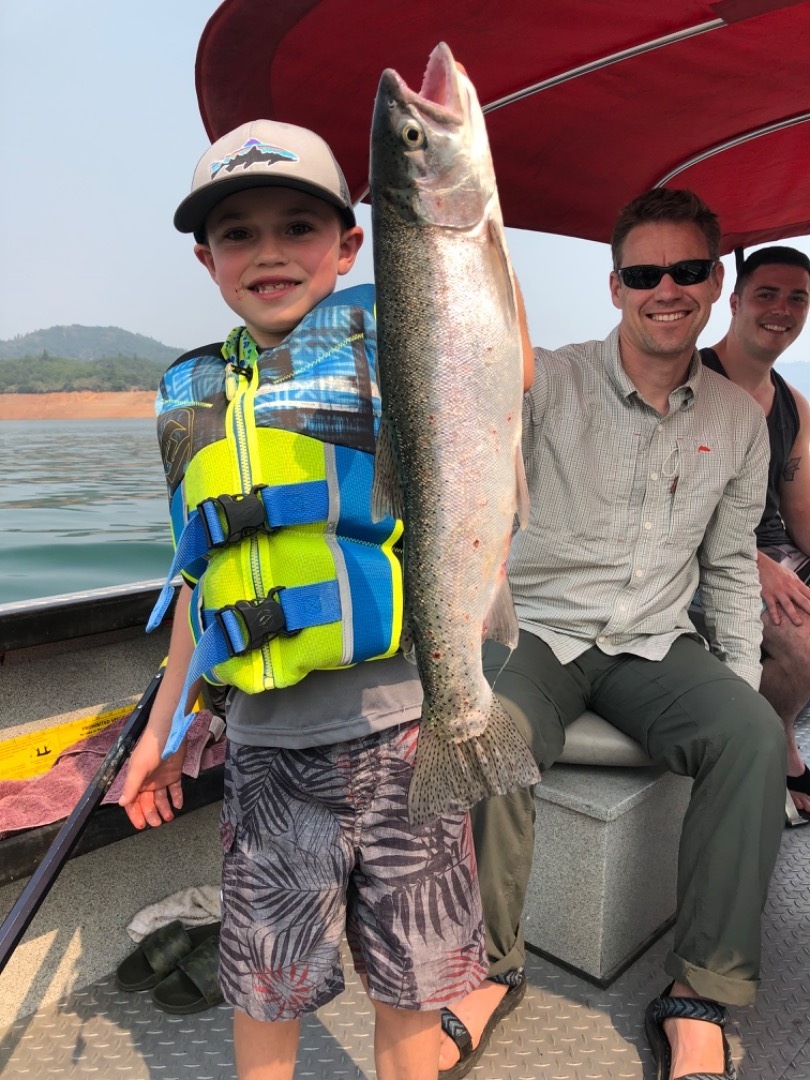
pixel 19 918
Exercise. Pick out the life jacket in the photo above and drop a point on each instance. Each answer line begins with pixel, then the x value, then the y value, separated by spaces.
pixel 269 459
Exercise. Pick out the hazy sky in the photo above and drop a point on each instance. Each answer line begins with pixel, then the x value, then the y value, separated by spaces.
pixel 100 136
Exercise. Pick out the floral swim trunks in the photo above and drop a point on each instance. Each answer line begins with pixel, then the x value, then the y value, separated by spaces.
pixel 316 844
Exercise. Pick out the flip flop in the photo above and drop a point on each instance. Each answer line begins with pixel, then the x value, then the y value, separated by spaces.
pixel 800 783
pixel 194 985
pixel 470 1055
pixel 663 1007
pixel 159 953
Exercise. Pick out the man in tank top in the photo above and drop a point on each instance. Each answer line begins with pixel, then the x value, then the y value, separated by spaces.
pixel 769 307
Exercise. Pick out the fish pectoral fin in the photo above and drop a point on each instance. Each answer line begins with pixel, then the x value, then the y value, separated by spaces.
pixel 450 777
pixel 501 622
pixel 386 490
pixel 406 643
pixel 522 496
pixel 502 274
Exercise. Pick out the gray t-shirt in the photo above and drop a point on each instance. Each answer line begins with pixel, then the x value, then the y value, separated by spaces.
pixel 328 706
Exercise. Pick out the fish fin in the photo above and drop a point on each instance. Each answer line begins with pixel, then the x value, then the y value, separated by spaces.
pixel 407 643
pixel 502 273
pixel 501 622
pixel 449 777
pixel 386 490
pixel 523 505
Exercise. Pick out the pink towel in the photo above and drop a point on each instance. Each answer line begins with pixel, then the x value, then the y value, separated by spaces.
pixel 40 800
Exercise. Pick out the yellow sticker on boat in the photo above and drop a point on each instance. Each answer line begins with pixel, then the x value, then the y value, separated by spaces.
pixel 35 753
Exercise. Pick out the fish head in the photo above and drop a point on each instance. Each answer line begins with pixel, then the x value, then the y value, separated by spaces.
pixel 430 156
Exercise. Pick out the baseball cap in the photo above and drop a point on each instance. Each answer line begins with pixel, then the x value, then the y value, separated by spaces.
pixel 263 153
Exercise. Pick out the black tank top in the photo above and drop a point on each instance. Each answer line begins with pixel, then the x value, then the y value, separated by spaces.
pixel 783 430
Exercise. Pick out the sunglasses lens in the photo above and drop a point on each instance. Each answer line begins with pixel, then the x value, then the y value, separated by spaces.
pixel 641 277
pixel 691 271
pixel 647 276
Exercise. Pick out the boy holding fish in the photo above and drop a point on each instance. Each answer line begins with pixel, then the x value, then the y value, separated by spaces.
pixel 315 827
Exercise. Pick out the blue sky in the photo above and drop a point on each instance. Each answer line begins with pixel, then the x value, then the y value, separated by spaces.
pixel 101 133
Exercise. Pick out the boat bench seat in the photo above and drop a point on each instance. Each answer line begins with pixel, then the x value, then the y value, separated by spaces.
pixel 602 887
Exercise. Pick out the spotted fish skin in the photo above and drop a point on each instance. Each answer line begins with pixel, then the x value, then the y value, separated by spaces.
pixel 448 458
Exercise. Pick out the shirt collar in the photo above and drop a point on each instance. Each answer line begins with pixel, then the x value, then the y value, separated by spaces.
pixel 681 397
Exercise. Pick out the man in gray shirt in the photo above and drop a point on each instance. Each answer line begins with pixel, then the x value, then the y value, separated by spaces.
pixel 647 477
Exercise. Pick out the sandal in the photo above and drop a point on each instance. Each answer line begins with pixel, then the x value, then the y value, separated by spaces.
pixel 159 953
pixel 800 783
pixel 469 1055
pixel 663 1007
pixel 194 985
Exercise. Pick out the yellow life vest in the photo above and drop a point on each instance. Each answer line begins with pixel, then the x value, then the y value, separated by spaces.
pixel 269 462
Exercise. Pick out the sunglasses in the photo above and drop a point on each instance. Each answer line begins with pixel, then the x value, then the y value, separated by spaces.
pixel 647 276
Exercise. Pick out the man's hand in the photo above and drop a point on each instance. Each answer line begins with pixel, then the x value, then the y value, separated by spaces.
pixel 152 789
pixel 782 591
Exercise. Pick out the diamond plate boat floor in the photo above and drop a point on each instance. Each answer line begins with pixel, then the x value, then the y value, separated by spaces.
pixel 565 1029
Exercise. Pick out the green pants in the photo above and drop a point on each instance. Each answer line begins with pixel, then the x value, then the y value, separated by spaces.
pixel 693 714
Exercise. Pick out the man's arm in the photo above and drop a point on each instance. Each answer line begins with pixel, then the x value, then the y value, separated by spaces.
pixel 783 592
pixel 794 493
pixel 729 581
pixel 528 351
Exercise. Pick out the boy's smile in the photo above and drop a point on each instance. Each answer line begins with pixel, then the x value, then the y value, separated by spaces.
pixel 275 253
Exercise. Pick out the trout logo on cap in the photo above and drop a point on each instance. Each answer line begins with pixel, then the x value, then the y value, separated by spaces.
pixel 253 152
pixel 257 154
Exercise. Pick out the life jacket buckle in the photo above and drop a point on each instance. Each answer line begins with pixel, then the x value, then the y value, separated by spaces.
pixel 262 620
pixel 244 515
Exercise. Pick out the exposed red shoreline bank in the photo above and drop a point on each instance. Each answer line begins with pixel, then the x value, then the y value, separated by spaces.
pixel 78 405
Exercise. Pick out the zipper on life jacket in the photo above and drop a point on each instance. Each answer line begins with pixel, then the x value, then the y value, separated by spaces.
pixel 243 427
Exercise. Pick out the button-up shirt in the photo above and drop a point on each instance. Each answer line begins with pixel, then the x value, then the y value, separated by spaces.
pixel 631 510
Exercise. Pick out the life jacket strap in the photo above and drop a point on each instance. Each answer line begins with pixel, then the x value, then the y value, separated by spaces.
pixel 246 625
pixel 227 519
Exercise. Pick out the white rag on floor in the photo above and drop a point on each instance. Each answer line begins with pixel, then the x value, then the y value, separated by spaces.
pixel 193 907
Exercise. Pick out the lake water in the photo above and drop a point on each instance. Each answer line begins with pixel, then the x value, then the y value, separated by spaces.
pixel 82 505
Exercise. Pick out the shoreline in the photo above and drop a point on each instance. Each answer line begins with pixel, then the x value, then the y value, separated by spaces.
pixel 79 405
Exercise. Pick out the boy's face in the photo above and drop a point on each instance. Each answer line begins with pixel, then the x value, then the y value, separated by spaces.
pixel 275 253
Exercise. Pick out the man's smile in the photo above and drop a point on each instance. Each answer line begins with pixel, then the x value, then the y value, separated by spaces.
pixel 667 316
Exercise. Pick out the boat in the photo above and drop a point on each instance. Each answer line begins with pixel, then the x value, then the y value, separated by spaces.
pixel 564 75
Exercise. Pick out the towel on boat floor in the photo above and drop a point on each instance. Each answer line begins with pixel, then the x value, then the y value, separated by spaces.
pixel 40 800
pixel 193 907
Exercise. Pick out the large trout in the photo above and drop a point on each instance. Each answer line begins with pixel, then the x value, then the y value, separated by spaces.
pixel 448 458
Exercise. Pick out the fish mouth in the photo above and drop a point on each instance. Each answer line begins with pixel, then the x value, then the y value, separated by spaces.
pixel 441 95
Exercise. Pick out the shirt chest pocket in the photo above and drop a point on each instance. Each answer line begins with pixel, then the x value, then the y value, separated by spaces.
pixel 695 492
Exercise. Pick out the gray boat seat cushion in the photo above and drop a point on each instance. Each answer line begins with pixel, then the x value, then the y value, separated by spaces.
pixel 590 740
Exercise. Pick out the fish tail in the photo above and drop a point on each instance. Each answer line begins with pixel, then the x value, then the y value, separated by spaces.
pixel 450 776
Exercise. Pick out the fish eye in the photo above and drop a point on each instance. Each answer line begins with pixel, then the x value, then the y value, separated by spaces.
pixel 412 135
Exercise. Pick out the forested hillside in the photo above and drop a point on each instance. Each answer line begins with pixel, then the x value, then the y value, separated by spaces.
pixel 87 343
pixel 52 374
pixel 95 358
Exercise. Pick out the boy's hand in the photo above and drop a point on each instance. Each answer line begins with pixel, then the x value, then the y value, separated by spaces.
pixel 152 789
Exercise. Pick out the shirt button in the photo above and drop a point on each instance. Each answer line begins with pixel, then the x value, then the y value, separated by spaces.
pixel 639 573
pixel 601 639
pixel 622 607
pixel 647 524
pixel 653 475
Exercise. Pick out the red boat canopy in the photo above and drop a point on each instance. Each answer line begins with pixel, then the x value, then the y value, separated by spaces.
pixel 588 102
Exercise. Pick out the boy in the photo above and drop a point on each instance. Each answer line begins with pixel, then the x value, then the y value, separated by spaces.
pixel 314 820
